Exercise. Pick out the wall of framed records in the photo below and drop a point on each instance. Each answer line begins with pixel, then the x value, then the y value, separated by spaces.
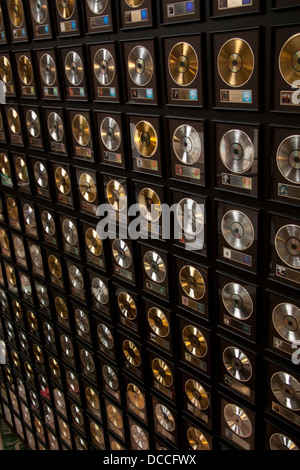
pixel 181 343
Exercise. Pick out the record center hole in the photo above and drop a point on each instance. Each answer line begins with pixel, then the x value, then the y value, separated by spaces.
pixel 288 390
pixel 161 372
pixel 192 282
pixel 110 134
pixel 158 323
pixel 166 418
pixel 290 323
pixel 154 266
pixel 121 253
pixel 236 363
pixel 145 139
pixel 196 394
pixel 194 341
pixel 237 301
pixel 132 353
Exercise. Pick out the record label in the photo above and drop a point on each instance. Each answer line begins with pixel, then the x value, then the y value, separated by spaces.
pixel 225 4
pixel 181 8
pixel 136 16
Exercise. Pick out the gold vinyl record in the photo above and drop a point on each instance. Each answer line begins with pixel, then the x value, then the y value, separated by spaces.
pixel 237 229
pixel 48 223
pixel 237 301
pixel 238 420
pixel 104 67
pixel 237 151
pixel 134 3
pixel 183 63
pixel 87 360
pixel 72 382
pixel 286 321
pixel 76 278
pixel 33 123
pixel 92 398
pixel 81 130
pixel 62 180
pixel 140 65
pixel 5 70
pixel 100 291
pixel 196 394
pixel 97 6
pixel 55 266
pixel 127 305
pixel 110 377
pixel 139 437
pixel 65 8
pixel 114 445
pixel 187 144
pixel 235 62
pixel 40 174
pixel 287 245
pixel 87 187
pixel 61 308
pixel 12 208
pixel 16 12
pixel 280 441
pixel 289 60
pixel 194 341
pixel 82 321
pixel 4 240
pixel 38 354
pixel 154 266
pixel 54 366
pixel 105 336
pixel 286 389
pixel 197 440
pixel 149 204
pixel 36 256
pixel 11 276
pixel 32 320
pixel 25 70
pixel 55 127
pixel 93 242
pixel 70 232
pixel 288 158
pixel 158 322
pixel 237 364
pixel 48 69
pixel 4 165
pixel 165 417
pixel 135 395
pixel 114 416
pixel 145 139
pixel 14 122
pixel 97 433
pixel 131 353
pixel 162 372
pixel 121 253
pixel 110 133
pixel 39 10
pixel 116 195
pixel 64 430
pixel 192 282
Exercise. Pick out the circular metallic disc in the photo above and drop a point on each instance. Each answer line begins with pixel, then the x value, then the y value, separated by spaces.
pixel 145 139
pixel 162 372
pixel 139 437
pixel 13 120
pixel 164 417
pixel 92 398
pixel 39 10
pixel 93 242
pixel 81 130
pixel 16 12
pixel 140 65
pixel 194 341
pixel 82 321
pixel 105 336
pixel 76 278
pixel 42 295
pixel 136 396
pixel 104 67
pixel 25 285
pixel 110 377
pixel 100 291
pixel 237 301
pixel 287 245
pixel 48 223
pixel 116 195
pixel 237 151
pixel 187 144
pixel 97 433
pixel 196 394
pixel 87 187
pixel 12 208
pixel 114 415
pixel 21 170
pixel 154 266
pixel 65 8
pixel 197 440
pixel 29 215
pixel 5 70
pixel 190 216
pixel 77 415
pixel 288 158
pixel 127 305
pixel 67 346
pixel 237 364
pixel 4 240
pixel 121 253
pixel 279 441
pixel 25 70
pixel 55 266
pixel 48 69
pixel 286 389
pixel 192 282
pixel 54 366
pixel 235 62
pixel 4 165
pixel 149 204
pixel 183 63
pixel 158 322
pixel 87 360
pixel 62 180
pixel 110 133
pixel 72 382
pixel 61 308
pixel 41 174
pixel 238 421
pixel 70 232
pixel 237 229
pixel 74 68
pixel 55 126
pixel 36 256
pixel 131 353
pixel 286 321
pixel 289 63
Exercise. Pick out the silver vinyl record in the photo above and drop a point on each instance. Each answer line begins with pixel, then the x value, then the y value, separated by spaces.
pixel 55 126
pixel 39 10
pixel 82 321
pixel 74 68
pixel 237 301
pixel 139 437
pixel 40 174
pixel 279 441
pixel 237 229
pixel 287 245
pixel 29 215
pixel 105 336
pixel 87 360
pixel 154 266
pixel 190 216
pixel 110 134
pixel 187 144
pixel 77 415
pixel 48 69
pixel 237 364
pixel 100 291
pixel 36 256
pixel 110 377
pixel 140 65
pixel 25 285
pixel 42 295
pixel 70 231
pixel 237 151
pixel 97 6
pixel 164 417
pixel 288 158
pixel 33 123
pixel 238 420
pixel 286 321
pixel 19 247
pixel 121 253
pixel 48 223
pixel 72 382
pixel 67 346
pixel 76 278
pixel 104 67
pixel 48 333
pixel 286 389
